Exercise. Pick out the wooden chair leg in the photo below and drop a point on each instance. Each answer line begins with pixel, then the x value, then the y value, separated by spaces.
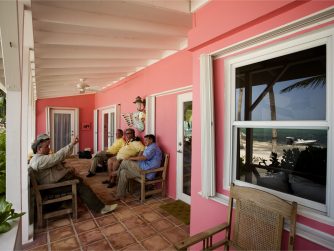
pixel 142 192
pixel 163 189
pixel 74 202
pixel 39 207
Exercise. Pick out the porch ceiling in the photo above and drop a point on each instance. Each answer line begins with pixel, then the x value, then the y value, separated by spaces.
pixel 102 41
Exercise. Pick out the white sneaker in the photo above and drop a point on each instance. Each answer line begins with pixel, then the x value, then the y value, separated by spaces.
pixel 108 208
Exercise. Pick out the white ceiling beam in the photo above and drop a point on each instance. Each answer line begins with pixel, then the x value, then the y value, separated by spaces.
pixel 196 4
pixel 175 5
pixel 109 41
pixel 89 81
pixel 50 72
pixel 85 52
pixel 76 29
pixel 131 9
pixel 80 63
pixel 76 77
pixel 95 20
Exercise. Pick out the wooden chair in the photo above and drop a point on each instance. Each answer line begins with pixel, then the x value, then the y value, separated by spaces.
pixel 44 195
pixel 258 223
pixel 159 180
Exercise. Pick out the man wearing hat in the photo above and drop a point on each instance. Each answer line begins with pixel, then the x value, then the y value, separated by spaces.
pixel 49 169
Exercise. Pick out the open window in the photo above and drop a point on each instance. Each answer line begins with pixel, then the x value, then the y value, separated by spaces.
pixel 279 121
pixel 289 157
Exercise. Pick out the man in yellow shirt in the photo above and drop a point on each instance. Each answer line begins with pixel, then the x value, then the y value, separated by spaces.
pixel 133 147
pixel 103 156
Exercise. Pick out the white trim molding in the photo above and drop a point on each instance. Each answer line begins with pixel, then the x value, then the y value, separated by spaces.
pixel 96 129
pixel 304 23
pixel 207 127
pixel 150 115
pixel 151 103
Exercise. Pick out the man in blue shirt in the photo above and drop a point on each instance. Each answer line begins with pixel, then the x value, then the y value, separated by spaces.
pixel 131 166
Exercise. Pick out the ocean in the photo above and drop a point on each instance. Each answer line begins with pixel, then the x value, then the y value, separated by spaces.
pixel 265 135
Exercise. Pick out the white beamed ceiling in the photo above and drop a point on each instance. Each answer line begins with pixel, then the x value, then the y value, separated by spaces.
pixel 103 41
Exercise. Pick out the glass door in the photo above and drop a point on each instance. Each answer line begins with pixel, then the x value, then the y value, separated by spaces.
pixel 61 128
pixel 184 142
pixel 109 127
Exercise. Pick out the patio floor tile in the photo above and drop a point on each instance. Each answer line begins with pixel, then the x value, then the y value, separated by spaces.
pixel 156 242
pixel 132 226
pixel 90 236
pixel 121 240
pixel 99 245
pixel 65 244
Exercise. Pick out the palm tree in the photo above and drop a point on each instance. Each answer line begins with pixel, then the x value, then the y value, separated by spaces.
pixel 307 83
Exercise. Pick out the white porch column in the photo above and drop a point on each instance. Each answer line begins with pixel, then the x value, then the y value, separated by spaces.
pixel 9 22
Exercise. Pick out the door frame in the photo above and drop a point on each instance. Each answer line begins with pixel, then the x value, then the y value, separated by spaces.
pixel 181 98
pixel 115 109
pixel 76 131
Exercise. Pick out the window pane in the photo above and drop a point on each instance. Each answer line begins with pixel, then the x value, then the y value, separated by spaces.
pixel 290 87
pixel 292 161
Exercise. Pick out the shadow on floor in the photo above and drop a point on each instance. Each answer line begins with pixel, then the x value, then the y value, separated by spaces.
pixel 132 226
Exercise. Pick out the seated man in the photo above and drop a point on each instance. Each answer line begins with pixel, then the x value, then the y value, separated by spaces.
pixel 103 156
pixel 133 147
pixel 49 169
pixel 131 166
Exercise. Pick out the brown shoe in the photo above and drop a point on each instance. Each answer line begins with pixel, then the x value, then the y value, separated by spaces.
pixel 111 184
pixel 105 182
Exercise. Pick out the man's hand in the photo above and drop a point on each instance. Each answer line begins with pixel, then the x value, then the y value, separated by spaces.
pixel 75 140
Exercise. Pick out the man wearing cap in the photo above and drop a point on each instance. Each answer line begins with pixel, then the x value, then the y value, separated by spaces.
pixel 103 156
pixel 49 169
pixel 131 166
pixel 133 147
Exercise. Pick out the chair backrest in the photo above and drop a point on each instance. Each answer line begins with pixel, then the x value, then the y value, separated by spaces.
pixel 164 163
pixel 259 219
pixel 34 183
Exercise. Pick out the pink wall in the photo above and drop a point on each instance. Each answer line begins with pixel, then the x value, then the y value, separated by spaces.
pixel 171 73
pixel 85 103
pixel 218 25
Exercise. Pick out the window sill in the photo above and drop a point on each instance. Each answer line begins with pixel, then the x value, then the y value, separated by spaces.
pixel 302 230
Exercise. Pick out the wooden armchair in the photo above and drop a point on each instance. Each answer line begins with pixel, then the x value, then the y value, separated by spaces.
pixel 46 195
pixel 258 223
pixel 159 180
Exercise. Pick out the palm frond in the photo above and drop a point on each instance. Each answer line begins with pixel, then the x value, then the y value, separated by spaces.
pixel 311 82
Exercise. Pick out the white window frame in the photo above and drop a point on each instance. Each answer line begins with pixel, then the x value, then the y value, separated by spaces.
pixel 283 48
pixel 321 36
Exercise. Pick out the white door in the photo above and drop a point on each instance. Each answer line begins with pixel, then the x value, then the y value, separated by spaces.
pixel 62 126
pixel 109 124
pixel 184 141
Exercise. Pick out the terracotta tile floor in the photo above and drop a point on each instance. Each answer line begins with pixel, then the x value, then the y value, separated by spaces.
pixel 132 226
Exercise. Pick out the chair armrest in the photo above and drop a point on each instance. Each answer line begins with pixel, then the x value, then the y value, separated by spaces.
pixel 183 245
pixel 58 184
pixel 154 170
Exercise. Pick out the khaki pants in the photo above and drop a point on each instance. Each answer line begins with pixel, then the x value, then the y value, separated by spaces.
pixel 99 158
pixel 128 169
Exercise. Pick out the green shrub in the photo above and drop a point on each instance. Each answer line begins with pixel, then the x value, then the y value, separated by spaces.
pixel 7 214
